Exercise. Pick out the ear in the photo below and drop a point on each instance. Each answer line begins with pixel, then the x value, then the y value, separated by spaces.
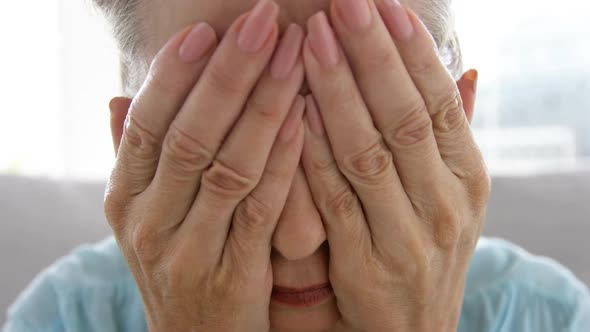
pixel 468 89
pixel 119 107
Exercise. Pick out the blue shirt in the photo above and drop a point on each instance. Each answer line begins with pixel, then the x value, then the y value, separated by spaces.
pixel 507 289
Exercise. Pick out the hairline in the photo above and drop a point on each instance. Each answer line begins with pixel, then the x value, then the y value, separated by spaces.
pixel 129 34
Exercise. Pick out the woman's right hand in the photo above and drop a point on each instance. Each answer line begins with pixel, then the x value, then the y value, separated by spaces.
pixel 208 152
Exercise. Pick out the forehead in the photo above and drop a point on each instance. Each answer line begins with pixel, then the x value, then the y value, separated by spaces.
pixel 163 18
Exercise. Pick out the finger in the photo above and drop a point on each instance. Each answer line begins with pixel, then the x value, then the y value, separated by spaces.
pixel 240 162
pixel 396 105
pixel 257 128
pixel 119 107
pixel 256 217
pixel 346 228
pixel 171 76
pixel 255 132
pixel 209 112
pixel 249 240
pixel 358 146
pixel 467 86
pixel 451 128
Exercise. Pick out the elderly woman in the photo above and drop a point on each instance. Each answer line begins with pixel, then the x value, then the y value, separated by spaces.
pixel 296 166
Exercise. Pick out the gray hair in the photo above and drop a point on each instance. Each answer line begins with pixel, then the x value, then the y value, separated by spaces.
pixel 124 18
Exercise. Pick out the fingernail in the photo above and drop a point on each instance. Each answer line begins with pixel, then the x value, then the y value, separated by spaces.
pixel 293 120
pixel 313 116
pixel 197 43
pixel 355 13
pixel 397 20
pixel 258 26
pixel 322 40
pixel 287 52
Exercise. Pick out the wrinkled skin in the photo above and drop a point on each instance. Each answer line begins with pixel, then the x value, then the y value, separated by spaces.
pixel 392 181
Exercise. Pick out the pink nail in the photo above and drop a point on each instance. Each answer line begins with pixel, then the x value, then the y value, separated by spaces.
pixel 287 52
pixel 397 20
pixel 322 40
pixel 258 26
pixel 197 43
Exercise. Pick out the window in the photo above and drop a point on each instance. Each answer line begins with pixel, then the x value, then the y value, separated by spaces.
pixel 533 107
pixel 532 113
pixel 59 74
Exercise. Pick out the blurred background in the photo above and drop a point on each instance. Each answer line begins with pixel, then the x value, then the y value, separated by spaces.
pixel 532 114
pixel 59 70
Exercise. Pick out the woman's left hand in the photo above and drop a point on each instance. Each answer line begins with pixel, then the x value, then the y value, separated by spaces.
pixel 394 170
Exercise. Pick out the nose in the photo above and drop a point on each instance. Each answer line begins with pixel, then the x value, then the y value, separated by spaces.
pixel 299 232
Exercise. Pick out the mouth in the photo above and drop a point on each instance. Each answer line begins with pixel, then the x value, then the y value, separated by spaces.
pixel 302 297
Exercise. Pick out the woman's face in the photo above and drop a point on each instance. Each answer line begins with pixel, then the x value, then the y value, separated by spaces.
pixel 300 256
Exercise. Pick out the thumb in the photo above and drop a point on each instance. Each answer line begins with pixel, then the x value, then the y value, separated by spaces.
pixel 468 89
pixel 119 107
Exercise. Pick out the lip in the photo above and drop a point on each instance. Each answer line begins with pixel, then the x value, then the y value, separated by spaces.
pixel 302 297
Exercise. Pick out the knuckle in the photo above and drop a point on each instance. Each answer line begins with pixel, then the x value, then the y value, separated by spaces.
pixel 141 143
pixel 469 237
pixel 448 111
pixel 448 227
pixel 372 166
pixel 117 202
pixel 144 242
pixel 254 215
pixel 188 155
pixel 224 84
pixel 324 166
pixel 414 128
pixel 343 204
pixel 115 209
pixel 480 187
pixel 227 181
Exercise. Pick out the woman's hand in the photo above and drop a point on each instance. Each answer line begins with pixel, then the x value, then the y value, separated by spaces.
pixel 393 168
pixel 210 141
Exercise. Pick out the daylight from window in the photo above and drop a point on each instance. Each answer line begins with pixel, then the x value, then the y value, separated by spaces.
pixel 532 113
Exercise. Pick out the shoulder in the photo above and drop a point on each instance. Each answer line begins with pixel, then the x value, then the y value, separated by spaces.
pixel 89 289
pixel 509 289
